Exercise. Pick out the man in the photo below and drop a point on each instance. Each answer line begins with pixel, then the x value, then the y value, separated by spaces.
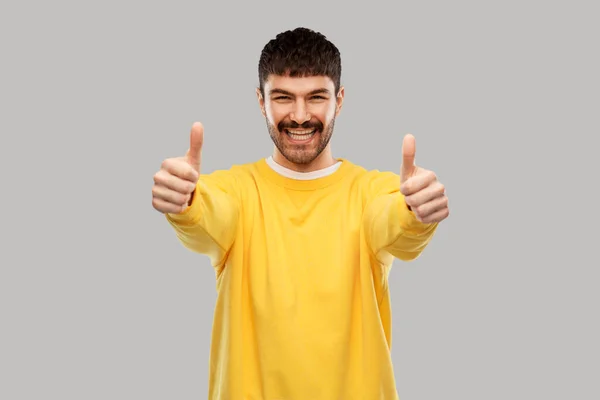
pixel 301 242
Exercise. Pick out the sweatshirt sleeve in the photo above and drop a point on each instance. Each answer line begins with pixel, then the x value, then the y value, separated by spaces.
pixel 390 227
pixel 208 225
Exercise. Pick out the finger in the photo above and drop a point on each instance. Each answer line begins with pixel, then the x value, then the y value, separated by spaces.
pixel 170 196
pixel 431 207
pixel 437 216
pixel 434 190
pixel 194 154
pixel 173 182
pixel 408 157
pixel 181 169
pixel 166 207
pixel 418 182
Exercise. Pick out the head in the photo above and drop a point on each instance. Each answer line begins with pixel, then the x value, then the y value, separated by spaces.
pixel 300 96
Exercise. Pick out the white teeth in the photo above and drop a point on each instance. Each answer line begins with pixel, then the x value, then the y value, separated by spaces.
pixel 300 132
pixel 300 135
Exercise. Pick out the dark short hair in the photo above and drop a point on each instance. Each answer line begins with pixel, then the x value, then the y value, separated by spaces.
pixel 298 53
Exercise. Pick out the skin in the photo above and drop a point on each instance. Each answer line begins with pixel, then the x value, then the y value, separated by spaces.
pixel 288 102
pixel 423 193
pixel 292 102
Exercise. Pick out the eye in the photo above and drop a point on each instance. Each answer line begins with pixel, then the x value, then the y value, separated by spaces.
pixel 319 98
pixel 281 98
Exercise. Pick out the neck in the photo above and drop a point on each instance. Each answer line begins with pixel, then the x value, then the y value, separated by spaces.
pixel 324 160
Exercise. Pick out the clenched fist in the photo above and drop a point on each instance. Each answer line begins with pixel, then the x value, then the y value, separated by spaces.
pixel 175 182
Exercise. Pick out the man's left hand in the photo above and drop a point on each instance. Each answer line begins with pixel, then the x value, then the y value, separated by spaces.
pixel 423 193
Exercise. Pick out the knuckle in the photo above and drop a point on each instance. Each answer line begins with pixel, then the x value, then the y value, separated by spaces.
pixel 159 177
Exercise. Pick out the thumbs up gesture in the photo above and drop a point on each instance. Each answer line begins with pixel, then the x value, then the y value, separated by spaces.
pixel 422 191
pixel 175 182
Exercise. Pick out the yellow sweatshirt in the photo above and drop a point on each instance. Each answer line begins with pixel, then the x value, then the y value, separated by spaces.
pixel 303 306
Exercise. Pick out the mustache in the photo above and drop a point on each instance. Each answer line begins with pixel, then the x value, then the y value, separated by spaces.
pixel 306 125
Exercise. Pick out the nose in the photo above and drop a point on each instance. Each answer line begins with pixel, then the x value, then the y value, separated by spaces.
pixel 300 115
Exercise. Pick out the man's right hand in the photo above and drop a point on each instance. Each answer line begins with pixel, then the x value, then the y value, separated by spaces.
pixel 175 182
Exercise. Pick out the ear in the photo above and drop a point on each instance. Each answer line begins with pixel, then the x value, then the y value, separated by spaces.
pixel 261 102
pixel 339 101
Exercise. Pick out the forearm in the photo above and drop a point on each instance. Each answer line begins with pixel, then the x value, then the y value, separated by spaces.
pixel 391 227
pixel 208 225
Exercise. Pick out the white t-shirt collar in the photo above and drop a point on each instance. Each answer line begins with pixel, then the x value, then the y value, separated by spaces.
pixel 288 173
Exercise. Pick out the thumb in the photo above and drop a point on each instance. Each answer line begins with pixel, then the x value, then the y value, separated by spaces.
pixel 408 157
pixel 194 153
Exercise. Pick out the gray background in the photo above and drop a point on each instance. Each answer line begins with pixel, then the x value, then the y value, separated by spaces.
pixel 98 300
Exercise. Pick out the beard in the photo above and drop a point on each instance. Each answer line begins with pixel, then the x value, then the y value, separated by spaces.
pixel 301 153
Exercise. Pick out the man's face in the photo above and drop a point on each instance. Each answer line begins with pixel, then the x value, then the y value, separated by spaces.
pixel 300 115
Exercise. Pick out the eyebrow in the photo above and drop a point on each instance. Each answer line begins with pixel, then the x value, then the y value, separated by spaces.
pixel 316 91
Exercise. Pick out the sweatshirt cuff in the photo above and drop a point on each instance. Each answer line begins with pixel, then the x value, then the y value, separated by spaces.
pixel 408 219
pixel 191 212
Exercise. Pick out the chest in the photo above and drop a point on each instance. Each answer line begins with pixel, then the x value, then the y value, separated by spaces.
pixel 302 227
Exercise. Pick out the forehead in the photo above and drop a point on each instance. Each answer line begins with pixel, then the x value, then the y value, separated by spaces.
pixel 299 85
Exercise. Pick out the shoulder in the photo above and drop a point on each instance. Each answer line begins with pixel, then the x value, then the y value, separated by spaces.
pixel 234 171
pixel 231 179
pixel 374 182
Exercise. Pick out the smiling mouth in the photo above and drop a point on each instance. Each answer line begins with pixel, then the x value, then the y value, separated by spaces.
pixel 300 134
